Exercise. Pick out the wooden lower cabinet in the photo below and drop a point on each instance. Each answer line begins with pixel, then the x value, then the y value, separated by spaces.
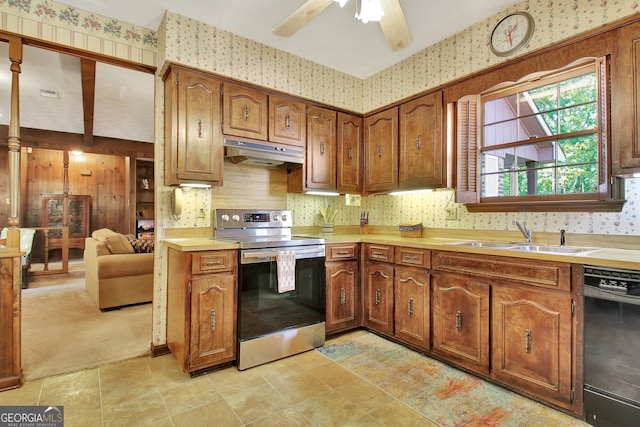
pixel 378 297
pixel 10 312
pixel 411 306
pixel 201 308
pixel 461 320
pixel 344 300
pixel 532 342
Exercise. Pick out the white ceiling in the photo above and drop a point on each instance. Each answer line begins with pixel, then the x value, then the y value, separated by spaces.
pixel 334 38
pixel 124 98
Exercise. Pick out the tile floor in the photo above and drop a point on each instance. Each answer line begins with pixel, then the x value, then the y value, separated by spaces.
pixel 303 390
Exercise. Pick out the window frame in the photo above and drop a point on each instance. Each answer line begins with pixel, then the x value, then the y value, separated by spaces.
pixel 469 140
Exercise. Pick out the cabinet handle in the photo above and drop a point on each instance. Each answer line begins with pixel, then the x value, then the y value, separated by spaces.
pixel 199 128
pixel 210 263
pixel 343 296
pixel 527 341
pixel 213 320
pixel 350 153
pixel 246 112
pixel 419 142
pixel 410 258
pixel 380 150
pixel 287 121
pixel 377 255
pixel 377 296
pixel 458 320
pixel 410 308
pixel 322 148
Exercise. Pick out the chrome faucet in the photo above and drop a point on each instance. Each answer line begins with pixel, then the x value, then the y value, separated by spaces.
pixel 527 233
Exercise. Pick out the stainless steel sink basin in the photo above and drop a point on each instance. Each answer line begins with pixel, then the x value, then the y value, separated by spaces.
pixel 528 247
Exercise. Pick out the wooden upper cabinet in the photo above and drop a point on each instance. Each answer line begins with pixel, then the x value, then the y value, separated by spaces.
pixel 321 149
pixel 381 151
pixel 421 143
pixel 287 121
pixel 625 117
pixel 193 139
pixel 349 151
pixel 245 112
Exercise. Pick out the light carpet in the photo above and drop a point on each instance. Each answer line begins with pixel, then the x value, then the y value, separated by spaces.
pixel 445 395
pixel 64 331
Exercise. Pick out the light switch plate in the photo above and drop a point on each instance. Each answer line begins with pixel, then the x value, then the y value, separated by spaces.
pixel 352 199
pixel 451 214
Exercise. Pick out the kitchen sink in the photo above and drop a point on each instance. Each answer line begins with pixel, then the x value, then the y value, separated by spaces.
pixel 528 247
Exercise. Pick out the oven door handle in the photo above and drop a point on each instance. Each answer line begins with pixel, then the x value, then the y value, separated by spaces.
pixel 273 254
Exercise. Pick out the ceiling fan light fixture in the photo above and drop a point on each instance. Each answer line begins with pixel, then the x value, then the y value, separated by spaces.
pixel 370 10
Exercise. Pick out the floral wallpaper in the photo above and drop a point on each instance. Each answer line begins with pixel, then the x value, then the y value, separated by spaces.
pixel 428 208
pixel 70 26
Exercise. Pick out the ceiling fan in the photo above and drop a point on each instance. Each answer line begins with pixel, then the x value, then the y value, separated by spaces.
pixel 393 23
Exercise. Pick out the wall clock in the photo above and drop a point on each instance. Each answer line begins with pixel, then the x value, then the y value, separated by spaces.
pixel 512 33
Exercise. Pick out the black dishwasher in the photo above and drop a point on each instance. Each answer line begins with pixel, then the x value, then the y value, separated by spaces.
pixel 611 346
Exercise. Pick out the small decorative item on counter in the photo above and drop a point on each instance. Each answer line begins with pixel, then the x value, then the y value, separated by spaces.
pixel 327 228
pixel 411 229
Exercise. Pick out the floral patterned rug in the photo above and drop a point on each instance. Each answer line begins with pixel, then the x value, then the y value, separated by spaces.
pixel 438 391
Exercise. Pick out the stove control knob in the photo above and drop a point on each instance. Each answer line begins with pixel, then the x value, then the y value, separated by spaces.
pixel 284 217
pixel 224 218
pixel 236 218
pixel 276 217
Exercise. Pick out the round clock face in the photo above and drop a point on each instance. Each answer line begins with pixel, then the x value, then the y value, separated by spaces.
pixel 512 33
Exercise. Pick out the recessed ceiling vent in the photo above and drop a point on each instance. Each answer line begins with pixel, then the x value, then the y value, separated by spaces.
pixel 49 93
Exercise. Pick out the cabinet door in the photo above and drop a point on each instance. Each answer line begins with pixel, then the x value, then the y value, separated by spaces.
pixel 343 296
pixel 411 302
pixel 461 320
pixel 531 342
pixel 193 141
pixel 213 320
pixel 378 297
pixel 245 112
pixel 625 90
pixel 321 149
pixel 381 151
pixel 421 143
pixel 287 121
pixel 349 150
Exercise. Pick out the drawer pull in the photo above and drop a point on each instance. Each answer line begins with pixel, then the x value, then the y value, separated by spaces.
pixel 210 263
pixel 377 255
pixel 411 258
pixel 343 253
pixel 378 295
pixel 458 321
pixel 213 320
pixel 527 341
pixel 410 308
pixel 343 296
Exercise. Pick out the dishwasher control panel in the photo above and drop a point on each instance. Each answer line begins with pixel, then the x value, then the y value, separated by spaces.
pixel 621 281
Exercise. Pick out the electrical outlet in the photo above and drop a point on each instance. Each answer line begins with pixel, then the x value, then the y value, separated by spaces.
pixel 200 213
pixel 352 199
pixel 451 214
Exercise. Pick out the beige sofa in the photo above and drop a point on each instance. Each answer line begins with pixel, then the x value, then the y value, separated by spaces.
pixel 115 274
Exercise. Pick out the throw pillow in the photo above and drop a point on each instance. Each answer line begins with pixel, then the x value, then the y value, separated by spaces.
pixel 140 245
pixel 119 244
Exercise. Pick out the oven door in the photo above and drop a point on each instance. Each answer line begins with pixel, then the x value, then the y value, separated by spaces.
pixel 262 310
pixel 611 358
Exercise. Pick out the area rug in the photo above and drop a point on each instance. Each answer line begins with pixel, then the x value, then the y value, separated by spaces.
pixel 445 395
pixel 64 331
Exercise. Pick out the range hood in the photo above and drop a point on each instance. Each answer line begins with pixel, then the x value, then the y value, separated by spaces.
pixel 261 153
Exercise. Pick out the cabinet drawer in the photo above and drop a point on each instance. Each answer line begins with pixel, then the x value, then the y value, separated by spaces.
pixel 379 252
pixel 413 257
pixel 544 274
pixel 213 261
pixel 341 252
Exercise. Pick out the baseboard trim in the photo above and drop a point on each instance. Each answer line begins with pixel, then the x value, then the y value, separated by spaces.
pixel 159 350
pixel 8 383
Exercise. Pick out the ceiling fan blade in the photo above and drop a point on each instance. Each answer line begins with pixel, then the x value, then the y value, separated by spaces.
pixel 300 17
pixel 394 25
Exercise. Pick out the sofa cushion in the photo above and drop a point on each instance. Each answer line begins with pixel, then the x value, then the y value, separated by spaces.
pixel 102 234
pixel 141 246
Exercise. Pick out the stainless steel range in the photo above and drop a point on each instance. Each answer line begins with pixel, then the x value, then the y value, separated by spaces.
pixel 281 285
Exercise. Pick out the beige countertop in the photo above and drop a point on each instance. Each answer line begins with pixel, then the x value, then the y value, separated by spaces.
pixel 606 257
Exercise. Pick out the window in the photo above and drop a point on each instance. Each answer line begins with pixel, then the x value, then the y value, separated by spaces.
pixel 542 139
